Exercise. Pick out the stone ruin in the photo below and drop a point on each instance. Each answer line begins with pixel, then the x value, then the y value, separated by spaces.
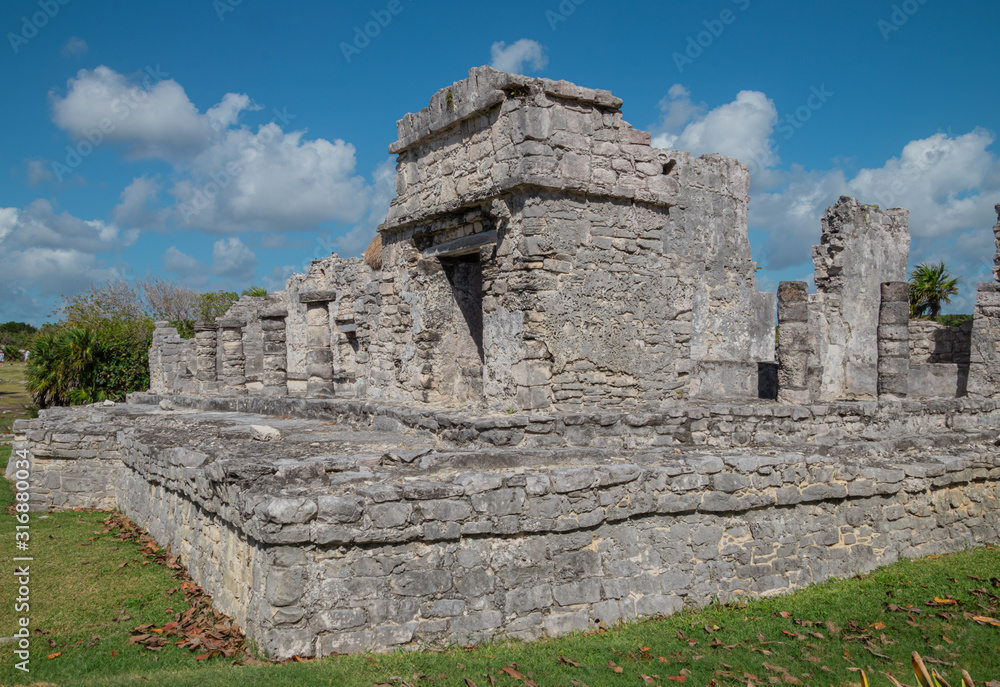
pixel 553 400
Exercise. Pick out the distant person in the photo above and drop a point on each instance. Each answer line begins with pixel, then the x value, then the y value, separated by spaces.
pixel 1 357
pixel 25 356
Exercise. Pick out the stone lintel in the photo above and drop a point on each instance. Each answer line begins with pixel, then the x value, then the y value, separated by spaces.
pixel 461 246
pixel 324 296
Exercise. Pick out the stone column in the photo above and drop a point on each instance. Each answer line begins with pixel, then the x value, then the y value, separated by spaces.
pixel 206 335
pixel 984 361
pixel 319 357
pixel 275 374
pixel 793 342
pixel 894 340
pixel 233 361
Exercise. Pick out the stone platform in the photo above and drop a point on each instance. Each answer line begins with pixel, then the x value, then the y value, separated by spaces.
pixel 372 526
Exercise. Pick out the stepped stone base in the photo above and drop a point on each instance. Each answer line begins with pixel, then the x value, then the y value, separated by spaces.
pixel 369 526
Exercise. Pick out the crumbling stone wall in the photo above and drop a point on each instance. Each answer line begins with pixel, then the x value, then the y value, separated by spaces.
pixel 347 280
pixel 315 554
pixel 592 292
pixel 861 247
pixel 172 362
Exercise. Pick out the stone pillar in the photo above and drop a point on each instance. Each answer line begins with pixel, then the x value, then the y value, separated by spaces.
pixel 319 357
pixel 894 340
pixel 861 247
pixel 793 342
pixel 206 335
pixel 984 361
pixel 233 362
pixel 275 374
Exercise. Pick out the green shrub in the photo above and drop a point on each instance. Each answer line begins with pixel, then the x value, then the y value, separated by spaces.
pixel 11 354
pixel 215 304
pixel 257 291
pixel 80 364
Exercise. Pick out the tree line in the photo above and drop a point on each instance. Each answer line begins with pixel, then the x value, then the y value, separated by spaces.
pixel 99 348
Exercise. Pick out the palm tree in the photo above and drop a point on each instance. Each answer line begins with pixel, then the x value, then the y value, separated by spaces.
pixel 930 286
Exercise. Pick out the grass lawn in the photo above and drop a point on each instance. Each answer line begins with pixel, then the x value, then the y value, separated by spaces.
pixel 81 594
pixel 15 402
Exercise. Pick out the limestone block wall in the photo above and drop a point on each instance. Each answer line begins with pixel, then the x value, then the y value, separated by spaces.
pixel 932 342
pixel 731 319
pixel 939 359
pixel 348 279
pixel 173 362
pixel 984 365
pixel 459 557
pixel 72 465
pixel 594 270
pixel 861 247
pixel 247 310
pixel 227 565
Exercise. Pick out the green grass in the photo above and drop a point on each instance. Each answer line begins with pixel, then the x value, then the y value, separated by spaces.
pixel 76 602
pixel 15 402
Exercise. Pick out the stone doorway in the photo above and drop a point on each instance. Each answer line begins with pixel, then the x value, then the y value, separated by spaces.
pixel 462 352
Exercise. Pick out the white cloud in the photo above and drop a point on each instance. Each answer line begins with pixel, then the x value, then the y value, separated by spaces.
pixel 232 260
pixel 741 129
pixel 147 118
pixel 271 180
pixel 227 178
pixel 175 260
pixel 949 183
pixel 134 209
pixel 38 226
pixel 75 47
pixel 514 57
pixel 45 254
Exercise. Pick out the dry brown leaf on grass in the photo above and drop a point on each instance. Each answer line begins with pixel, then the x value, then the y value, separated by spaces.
pixel 567 661
pixel 616 668
pixel 986 620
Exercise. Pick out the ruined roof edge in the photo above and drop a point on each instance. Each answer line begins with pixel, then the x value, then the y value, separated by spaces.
pixel 483 89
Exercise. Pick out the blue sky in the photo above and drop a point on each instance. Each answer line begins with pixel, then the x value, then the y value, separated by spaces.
pixel 287 109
